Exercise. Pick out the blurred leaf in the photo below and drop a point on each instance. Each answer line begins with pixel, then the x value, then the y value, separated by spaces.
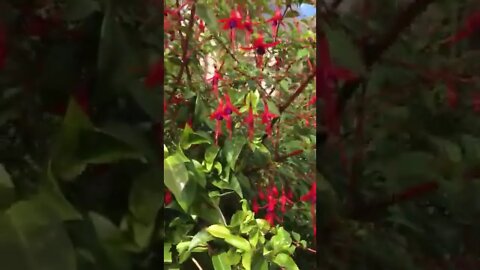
pixel 220 262
pixel 33 238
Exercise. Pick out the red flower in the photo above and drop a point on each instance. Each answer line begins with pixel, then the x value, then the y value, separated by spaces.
pixel 469 28
pixel 312 101
pixel 164 106
pixel 311 195
pixel 231 23
pixel 276 20
pixel 174 12
pixel 270 217
pixel 261 195
pixel 201 26
pixel 248 26
pixel 267 118
pixel 476 102
pixel 227 111
pixel 250 121
pixel 167 197
pixel 215 79
pixel 260 48
pixel 255 206
pixel 218 116
pixel 155 75
pixel 283 201
pixel 3 46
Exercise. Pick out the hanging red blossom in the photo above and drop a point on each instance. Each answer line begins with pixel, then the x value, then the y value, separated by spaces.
pixel 255 206
pixel 250 121
pixel 227 111
pixel 471 25
pixel 276 20
pixel 248 26
pixel 218 116
pixel 215 79
pixel 3 46
pixel 167 197
pixel 155 75
pixel 231 23
pixel 267 118
pixel 311 196
pixel 283 201
pixel 476 102
pixel 260 48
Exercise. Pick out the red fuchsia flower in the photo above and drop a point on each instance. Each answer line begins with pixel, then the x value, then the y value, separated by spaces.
pixel 155 75
pixel 174 12
pixel 471 25
pixel 326 75
pixel 270 218
pixel 218 116
pixel 283 201
pixel 250 121
pixel 248 26
pixel 255 206
pixel 312 101
pixel 215 79
pixel 311 196
pixel 260 48
pixel 167 197
pixel 201 26
pixel 276 20
pixel 476 102
pixel 261 195
pixel 267 118
pixel 231 23
pixel 3 46
pixel 227 111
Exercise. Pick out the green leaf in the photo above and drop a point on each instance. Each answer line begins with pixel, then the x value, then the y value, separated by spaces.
pixel 190 138
pixel 7 189
pixel 176 180
pixel 167 253
pixel 220 262
pixel 448 148
pixel 144 204
pixel 63 160
pixel 259 262
pixel 343 51
pixel 32 237
pixel 232 150
pixel 210 156
pixel 201 238
pixel 302 53
pixel 285 261
pixel 247 260
pixel 219 231
pixel 238 242
pixel 148 101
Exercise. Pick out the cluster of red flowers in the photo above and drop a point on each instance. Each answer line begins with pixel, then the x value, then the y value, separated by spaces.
pixel 273 200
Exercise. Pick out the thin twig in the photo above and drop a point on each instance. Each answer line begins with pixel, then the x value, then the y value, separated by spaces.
pixel 197 264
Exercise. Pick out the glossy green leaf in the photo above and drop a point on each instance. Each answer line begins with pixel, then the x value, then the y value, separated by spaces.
pixel 285 261
pixel 220 262
pixel 32 237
